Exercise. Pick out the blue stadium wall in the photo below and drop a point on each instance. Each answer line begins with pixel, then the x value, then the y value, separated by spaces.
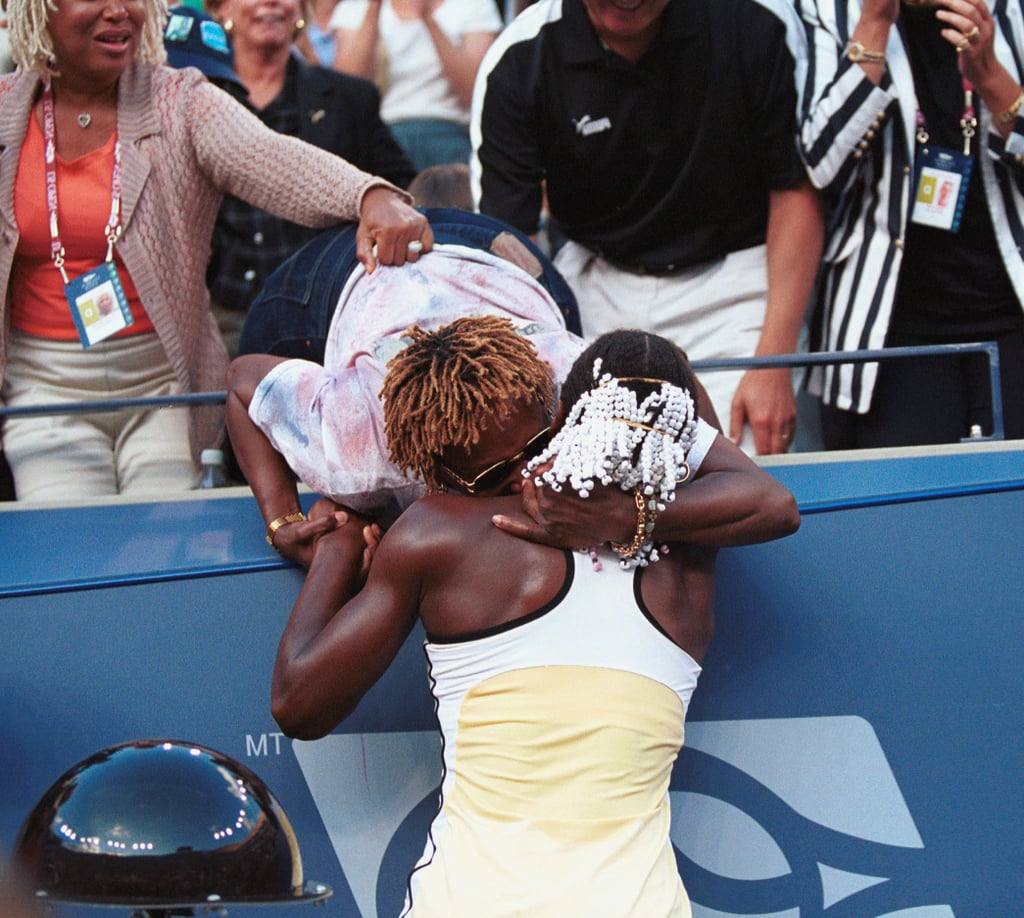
pixel 855 746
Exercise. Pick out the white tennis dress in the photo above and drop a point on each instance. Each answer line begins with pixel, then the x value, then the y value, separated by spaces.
pixel 560 731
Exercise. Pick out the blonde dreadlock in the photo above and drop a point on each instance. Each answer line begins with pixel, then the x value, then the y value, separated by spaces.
pixel 440 387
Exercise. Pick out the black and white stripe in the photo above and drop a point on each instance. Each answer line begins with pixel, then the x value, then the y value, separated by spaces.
pixel 857 140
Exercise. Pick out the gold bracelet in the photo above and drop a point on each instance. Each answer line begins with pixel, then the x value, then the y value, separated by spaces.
pixel 297 517
pixel 857 53
pixel 646 513
pixel 1011 113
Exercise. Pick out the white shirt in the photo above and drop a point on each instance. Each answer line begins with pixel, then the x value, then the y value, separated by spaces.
pixel 416 86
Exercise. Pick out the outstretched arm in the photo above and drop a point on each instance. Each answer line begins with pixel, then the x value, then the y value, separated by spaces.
pixel 731 501
pixel 269 476
pixel 338 642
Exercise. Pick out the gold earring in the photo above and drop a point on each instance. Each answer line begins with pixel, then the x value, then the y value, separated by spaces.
pixel 228 25
pixel 300 24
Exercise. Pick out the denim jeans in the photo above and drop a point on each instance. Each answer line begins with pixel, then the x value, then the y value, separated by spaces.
pixel 292 314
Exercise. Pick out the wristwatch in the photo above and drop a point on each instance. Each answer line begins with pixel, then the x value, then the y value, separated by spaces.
pixel 857 53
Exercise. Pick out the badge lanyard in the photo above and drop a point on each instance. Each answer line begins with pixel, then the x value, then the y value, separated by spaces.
pixel 943 174
pixel 96 299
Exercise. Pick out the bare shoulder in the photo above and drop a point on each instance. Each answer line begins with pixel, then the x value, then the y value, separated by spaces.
pixel 439 520
pixel 454 528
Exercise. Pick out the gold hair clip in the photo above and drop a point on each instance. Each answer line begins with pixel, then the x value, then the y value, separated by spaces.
pixel 640 426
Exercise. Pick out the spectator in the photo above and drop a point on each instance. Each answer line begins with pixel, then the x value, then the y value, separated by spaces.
pixel 561 686
pixel 291 417
pixel 904 106
pixel 443 186
pixel 316 41
pixel 193 38
pixel 294 313
pixel 155 149
pixel 424 55
pixel 665 136
pixel 333 111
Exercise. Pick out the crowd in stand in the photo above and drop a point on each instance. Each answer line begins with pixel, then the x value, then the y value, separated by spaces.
pixel 745 178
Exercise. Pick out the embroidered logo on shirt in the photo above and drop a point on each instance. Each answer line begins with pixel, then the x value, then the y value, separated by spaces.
pixel 586 126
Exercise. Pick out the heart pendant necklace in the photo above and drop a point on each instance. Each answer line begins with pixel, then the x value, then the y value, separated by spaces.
pixel 83 119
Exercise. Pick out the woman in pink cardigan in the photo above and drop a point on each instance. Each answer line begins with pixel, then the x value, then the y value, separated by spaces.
pixel 112 169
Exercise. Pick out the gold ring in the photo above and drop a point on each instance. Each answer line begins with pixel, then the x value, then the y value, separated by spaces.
pixel 962 46
pixel 972 36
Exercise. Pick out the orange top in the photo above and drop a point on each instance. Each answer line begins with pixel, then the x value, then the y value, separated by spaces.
pixel 38 305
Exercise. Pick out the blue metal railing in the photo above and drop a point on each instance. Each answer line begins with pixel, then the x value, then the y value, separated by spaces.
pixel 988 348
pixel 97 406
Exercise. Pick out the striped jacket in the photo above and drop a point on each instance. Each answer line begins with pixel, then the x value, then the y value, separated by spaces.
pixel 858 143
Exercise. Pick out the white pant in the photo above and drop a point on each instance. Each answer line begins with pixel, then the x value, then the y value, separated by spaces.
pixel 713 310
pixel 71 456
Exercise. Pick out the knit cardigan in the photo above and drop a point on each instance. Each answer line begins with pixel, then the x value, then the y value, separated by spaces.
pixel 184 144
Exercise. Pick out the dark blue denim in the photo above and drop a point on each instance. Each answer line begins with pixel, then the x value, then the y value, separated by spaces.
pixel 292 313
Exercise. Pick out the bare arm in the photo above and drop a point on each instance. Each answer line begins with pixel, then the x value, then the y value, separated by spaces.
pixel 462 61
pixel 764 398
pixel 877 18
pixel 338 642
pixel 730 502
pixel 356 50
pixel 269 476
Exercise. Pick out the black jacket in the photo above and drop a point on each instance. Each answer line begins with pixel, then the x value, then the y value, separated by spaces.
pixel 336 112
pixel 341 113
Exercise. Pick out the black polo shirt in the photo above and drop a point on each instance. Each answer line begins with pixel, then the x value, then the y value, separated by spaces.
pixel 666 162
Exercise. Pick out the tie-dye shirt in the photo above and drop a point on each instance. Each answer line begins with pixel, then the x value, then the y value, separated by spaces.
pixel 327 421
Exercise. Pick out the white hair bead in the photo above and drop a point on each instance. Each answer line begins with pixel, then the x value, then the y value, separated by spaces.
pixel 612 436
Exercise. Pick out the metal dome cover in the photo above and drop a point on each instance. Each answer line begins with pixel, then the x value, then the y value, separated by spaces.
pixel 162 823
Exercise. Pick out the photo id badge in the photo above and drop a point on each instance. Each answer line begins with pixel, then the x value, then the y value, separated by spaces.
pixel 98 304
pixel 942 177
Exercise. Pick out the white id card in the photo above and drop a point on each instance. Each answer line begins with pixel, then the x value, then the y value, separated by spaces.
pixel 98 304
pixel 942 177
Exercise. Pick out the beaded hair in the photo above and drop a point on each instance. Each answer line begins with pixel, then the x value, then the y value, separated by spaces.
pixel 441 386
pixel 631 421
pixel 32 47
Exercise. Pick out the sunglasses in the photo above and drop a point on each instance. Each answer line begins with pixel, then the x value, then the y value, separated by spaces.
pixel 494 475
